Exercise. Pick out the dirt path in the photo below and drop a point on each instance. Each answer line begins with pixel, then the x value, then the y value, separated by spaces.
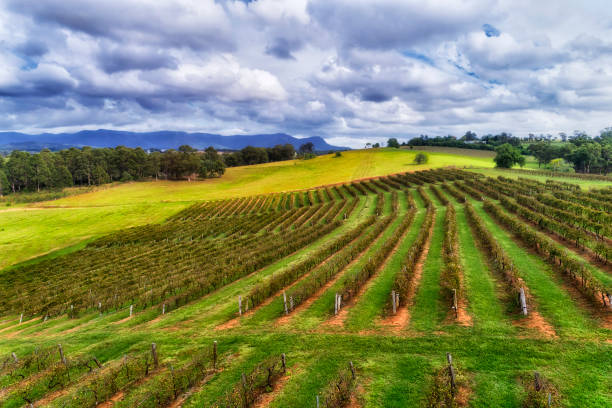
pixel 463 317
pixel 535 321
pixel 265 399
pixel 112 400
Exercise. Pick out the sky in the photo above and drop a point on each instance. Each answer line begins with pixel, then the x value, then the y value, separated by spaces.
pixel 351 71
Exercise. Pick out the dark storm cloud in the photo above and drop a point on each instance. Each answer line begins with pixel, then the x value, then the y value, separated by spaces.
pixel 159 23
pixel 280 48
pixel 117 59
pixel 32 48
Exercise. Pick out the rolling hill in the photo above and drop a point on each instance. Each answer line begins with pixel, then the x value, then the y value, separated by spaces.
pixel 153 140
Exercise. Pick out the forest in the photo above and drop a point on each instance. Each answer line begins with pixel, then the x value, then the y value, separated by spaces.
pixel 22 171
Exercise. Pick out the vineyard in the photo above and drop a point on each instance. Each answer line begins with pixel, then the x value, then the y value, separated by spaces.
pixel 434 288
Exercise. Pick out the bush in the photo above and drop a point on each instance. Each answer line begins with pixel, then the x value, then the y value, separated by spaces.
pixel 421 158
pixel 125 176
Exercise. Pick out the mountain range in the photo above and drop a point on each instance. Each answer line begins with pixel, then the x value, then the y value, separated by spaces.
pixel 152 140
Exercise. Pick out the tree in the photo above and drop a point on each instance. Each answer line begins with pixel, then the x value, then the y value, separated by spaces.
pixel 18 170
pixel 376 145
pixel 5 188
pixel 507 156
pixel 421 158
pixel 254 155
pixel 100 176
pixel 41 173
pixel 212 164
pixel 306 148
pixel 469 136
pixel 281 152
pixel 61 177
pixel 392 142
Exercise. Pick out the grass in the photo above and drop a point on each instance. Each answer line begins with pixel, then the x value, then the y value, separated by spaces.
pixel 480 286
pixel 552 301
pixel 27 231
pixel 31 232
pixel 428 310
pixel 364 314
pixel 393 371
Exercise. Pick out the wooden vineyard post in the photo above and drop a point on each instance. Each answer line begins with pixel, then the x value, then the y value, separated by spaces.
pixel 397 303
pixel 15 357
pixel 239 305
pixel 455 303
pixel 451 373
pixel 215 355
pixel 154 354
pixel 352 367
pixel 338 304
pixel 285 302
pixel 164 309
pixel 537 382
pixel 523 301
pixel 245 402
pixel 21 318
pixel 317 401
pixel 100 307
pixel 393 302
pixel 131 310
pixel 61 353
pixel 291 303
pixel 284 362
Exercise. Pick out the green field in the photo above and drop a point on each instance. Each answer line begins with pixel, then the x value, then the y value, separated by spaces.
pixel 566 338
pixel 31 230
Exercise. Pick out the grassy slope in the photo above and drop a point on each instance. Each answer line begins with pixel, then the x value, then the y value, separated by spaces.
pixel 31 230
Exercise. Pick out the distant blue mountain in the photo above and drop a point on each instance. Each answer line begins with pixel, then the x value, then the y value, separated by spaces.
pixel 152 140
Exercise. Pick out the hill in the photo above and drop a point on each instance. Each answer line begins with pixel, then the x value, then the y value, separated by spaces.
pixel 351 295
pixel 38 228
pixel 153 140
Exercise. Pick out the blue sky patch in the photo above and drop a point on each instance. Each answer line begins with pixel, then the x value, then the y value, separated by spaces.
pixel 490 31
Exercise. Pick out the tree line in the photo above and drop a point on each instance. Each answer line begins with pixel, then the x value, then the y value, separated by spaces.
pixel 582 153
pixel 256 155
pixel 468 141
pixel 22 171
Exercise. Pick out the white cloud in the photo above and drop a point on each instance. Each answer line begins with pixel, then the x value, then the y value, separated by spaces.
pixel 344 69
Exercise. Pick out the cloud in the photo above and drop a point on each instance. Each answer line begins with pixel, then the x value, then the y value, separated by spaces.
pixel 118 58
pixel 386 24
pixel 281 48
pixel 348 69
